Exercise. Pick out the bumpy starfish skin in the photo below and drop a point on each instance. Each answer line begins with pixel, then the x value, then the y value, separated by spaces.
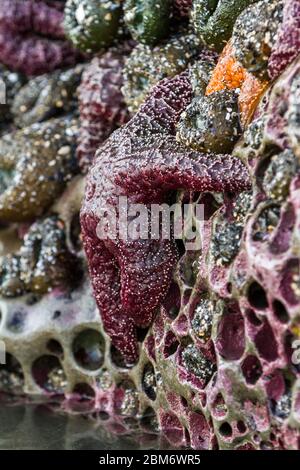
pixel 183 7
pixel 101 104
pixel 143 161
pixel 288 40
pixel 32 38
pixel 31 15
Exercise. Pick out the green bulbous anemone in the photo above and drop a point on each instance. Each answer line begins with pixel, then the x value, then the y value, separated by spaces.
pixel 254 35
pixel 213 20
pixel 210 123
pixel 42 263
pixel 93 24
pixel 146 66
pixel 148 20
pixel 36 163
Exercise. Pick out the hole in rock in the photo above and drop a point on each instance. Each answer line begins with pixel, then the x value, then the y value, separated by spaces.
pixel 265 342
pixel 149 420
pixel 247 446
pixel 262 167
pixel 266 223
pixel 56 314
pixel 141 334
pixel 172 428
pixel 257 296
pixel 126 399
pixel 282 239
pixel 84 390
pixel 231 333
pixel 215 444
pixel 241 427
pixel 199 431
pixel 172 301
pixel 265 445
pixel 203 399
pixel 253 318
pixel 210 205
pixel 49 374
pixel 149 381
pixel 117 359
pixel 88 349
pixel 225 429
pixel 11 375
pixel 270 151
pixel 131 423
pixel 181 247
pixel 290 283
pixel 189 268
pixel 289 350
pixel 252 369
pixel 229 287
pixel 187 437
pixel 55 347
pixel 183 402
pixel 103 415
pixel 16 322
pixel 280 311
pixel 171 344
pixel 219 407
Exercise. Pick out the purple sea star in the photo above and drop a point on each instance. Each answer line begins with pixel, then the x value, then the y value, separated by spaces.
pixel 101 104
pixel 32 38
pixel 143 161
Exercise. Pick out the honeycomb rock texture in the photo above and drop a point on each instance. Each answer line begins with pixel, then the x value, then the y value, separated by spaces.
pixel 218 368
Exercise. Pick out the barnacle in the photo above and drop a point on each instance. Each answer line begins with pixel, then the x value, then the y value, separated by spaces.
pixel 92 24
pixel 213 20
pixel 36 164
pixel 203 319
pixel 197 363
pixel 254 35
pixel 145 66
pixel 148 21
pixel 211 123
pixel 228 228
pixel 266 222
pixel 46 96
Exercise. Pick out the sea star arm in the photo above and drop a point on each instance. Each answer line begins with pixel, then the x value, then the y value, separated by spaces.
pixel 143 161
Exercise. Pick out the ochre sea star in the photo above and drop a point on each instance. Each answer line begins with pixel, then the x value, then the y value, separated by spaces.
pixel 143 161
